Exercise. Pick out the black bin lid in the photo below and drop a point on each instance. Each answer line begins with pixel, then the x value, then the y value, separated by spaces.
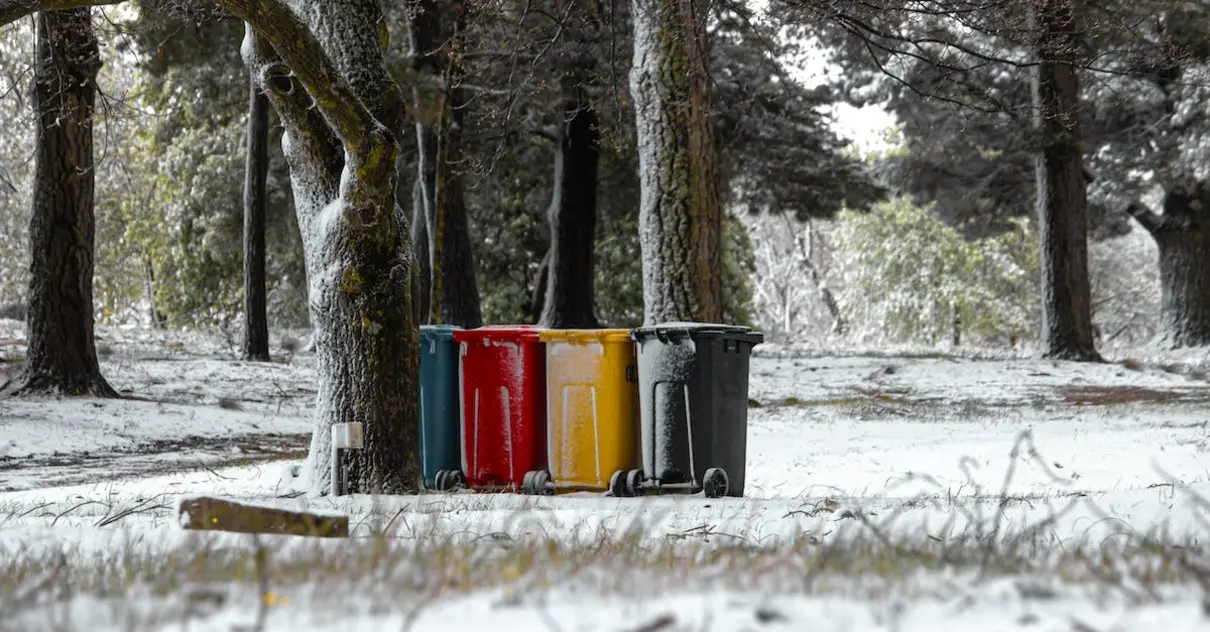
pixel 697 331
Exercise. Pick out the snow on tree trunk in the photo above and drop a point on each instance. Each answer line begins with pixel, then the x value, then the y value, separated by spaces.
pixel 62 355
pixel 680 217
pixel 572 215
pixel 342 113
pixel 1067 331
pixel 256 320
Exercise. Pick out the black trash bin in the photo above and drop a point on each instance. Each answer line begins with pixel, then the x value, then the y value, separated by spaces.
pixel 693 394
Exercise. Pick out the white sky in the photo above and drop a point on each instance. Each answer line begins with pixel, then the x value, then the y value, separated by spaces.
pixel 865 127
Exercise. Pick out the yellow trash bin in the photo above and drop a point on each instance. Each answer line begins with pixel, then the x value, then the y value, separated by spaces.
pixel 592 407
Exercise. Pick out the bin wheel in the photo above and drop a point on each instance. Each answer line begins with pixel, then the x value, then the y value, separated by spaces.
pixel 527 483
pixel 715 482
pixel 454 480
pixel 439 482
pixel 542 483
pixel 617 484
pixel 634 482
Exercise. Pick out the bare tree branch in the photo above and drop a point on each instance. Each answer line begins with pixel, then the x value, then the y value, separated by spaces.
pixel 1146 218
pixel 13 10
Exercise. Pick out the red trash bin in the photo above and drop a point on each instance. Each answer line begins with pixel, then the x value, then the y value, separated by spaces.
pixel 502 382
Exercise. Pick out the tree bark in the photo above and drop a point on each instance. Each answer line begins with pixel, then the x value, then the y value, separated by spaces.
pixel 62 355
pixel 342 113
pixel 569 296
pixel 1182 239
pixel 420 244
pixel 1061 195
pixel 680 217
pixel 256 318
pixel 537 297
pixel 453 289
pixel 455 271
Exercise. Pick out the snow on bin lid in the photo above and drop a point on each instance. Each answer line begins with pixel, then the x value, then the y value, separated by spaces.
pixel 440 332
pixel 698 330
pixel 584 336
pixel 515 333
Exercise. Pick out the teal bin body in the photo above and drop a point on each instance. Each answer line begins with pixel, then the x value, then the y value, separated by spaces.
pixel 440 437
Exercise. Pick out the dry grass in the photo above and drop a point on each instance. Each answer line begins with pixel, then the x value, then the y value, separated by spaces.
pixel 1112 395
pixel 617 563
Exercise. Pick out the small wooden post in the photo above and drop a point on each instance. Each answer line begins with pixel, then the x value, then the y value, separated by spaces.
pixel 345 437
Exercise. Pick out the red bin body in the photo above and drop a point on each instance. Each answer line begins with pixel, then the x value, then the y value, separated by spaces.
pixel 502 382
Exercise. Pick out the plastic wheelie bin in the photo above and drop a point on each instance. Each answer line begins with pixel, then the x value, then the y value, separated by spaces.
pixel 693 397
pixel 502 373
pixel 592 408
pixel 440 452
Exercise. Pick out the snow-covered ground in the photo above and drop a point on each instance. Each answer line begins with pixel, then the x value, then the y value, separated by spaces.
pixel 873 456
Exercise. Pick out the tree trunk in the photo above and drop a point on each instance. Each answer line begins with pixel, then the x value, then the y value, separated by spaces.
pixel 342 113
pixel 459 291
pixel 420 244
pixel 453 287
pixel 573 219
pixel 62 355
pixel 1181 236
pixel 1061 195
pixel 680 217
pixel 537 298
pixel 256 172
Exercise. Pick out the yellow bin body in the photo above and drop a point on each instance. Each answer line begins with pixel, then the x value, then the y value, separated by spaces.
pixel 592 408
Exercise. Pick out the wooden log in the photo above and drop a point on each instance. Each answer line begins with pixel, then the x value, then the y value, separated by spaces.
pixel 214 514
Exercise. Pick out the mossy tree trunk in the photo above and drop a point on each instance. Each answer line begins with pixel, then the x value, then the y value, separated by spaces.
pixel 62 356
pixel 1067 331
pixel 680 217
pixel 342 113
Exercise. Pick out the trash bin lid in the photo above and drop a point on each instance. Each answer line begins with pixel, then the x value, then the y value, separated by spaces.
pixel 438 332
pixel 515 333
pixel 585 336
pixel 697 331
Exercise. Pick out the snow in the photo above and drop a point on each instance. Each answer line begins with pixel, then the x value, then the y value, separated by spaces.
pixel 1078 454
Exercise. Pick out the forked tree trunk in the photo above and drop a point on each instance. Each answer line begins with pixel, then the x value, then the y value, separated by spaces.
pixel 62 355
pixel 256 172
pixel 569 296
pixel 680 217
pixel 1067 331
pixel 342 112
pixel 1182 236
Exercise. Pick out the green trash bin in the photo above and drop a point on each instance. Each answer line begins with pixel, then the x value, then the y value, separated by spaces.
pixel 693 398
pixel 440 437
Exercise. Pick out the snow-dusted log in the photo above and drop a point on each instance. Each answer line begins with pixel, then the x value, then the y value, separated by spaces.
pixel 320 63
pixel 680 217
